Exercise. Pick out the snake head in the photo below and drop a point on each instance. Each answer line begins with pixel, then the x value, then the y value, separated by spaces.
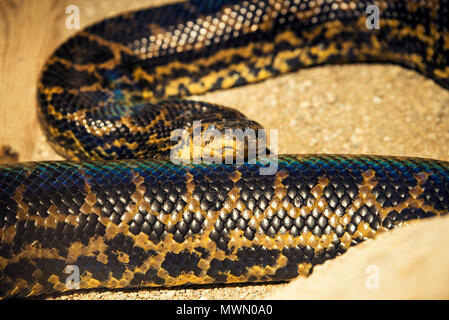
pixel 220 141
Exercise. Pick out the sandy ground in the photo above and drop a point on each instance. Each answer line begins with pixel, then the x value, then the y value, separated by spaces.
pixel 370 109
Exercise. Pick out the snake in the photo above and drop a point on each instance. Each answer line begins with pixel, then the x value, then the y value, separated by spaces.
pixel 131 207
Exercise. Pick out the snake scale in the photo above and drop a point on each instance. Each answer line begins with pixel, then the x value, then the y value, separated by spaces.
pixel 128 217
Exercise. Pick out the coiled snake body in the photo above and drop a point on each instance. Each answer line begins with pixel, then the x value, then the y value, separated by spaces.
pixel 127 216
